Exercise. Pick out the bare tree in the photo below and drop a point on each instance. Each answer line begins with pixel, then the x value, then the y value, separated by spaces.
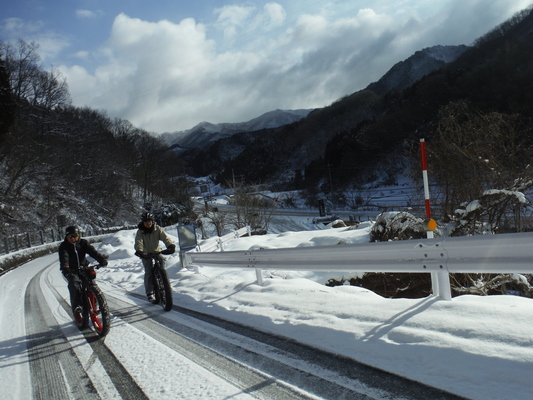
pixel 252 208
pixel 218 220
pixel 7 104
pixel 489 284
pixel 22 65
pixel 29 82
pixel 487 213
pixel 37 94
pixel 288 200
pixel 471 152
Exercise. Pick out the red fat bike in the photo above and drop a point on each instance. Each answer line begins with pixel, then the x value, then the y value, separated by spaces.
pixel 93 303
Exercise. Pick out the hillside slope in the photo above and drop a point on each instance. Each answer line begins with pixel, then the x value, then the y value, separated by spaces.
pixel 368 131
pixel 206 133
pixel 289 148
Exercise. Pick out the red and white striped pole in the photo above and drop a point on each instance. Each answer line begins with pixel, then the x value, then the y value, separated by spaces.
pixel 430 224
pixel 440 280
pixel 425 176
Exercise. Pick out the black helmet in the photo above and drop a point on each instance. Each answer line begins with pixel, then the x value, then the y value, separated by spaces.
pixel 72 230
pixel 147 217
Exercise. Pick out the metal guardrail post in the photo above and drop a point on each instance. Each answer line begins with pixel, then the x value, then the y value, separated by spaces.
pixel 444 290
pixel 434 255
pixel 259 276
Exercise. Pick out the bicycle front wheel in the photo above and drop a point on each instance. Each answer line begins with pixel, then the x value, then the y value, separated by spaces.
pixel 82 319
pixel 98 311
pixel 163 290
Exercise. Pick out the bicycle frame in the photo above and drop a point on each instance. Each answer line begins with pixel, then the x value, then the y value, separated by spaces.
pixel 93 302
pixel 162 288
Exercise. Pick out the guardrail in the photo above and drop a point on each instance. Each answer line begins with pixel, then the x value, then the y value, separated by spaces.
pixel 26 240
pixel 16 258
pixel 218 242
pixel 504 253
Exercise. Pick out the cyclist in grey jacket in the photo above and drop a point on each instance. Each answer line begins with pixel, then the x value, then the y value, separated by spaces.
pixel 147 241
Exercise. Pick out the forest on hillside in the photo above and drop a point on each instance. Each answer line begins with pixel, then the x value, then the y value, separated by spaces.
pixel 64 163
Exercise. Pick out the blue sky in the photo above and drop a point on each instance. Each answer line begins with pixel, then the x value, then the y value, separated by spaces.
pixel 166 65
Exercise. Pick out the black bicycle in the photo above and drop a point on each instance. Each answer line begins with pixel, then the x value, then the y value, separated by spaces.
pixel 162 288
pixel 93 303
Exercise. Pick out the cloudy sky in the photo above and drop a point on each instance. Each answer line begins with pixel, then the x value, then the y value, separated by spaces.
pixel 166 65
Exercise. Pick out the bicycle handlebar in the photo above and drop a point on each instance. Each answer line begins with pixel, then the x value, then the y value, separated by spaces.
pixel 96 266
pixel 168 251
pixel 148 255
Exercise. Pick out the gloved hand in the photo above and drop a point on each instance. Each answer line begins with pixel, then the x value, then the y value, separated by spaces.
pixel 170 249
pixel 103 263
pixel 140 254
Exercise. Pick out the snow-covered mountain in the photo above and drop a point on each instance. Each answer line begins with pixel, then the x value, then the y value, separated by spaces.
pixel 407 72
pixel 401 75
pixel 311 136
pixel 206 133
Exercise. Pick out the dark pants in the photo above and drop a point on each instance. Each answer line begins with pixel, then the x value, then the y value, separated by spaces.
pixel 74 287
pixel 148 267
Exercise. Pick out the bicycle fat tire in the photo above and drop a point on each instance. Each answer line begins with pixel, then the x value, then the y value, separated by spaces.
pixel 157 282
pixel 163 292
pixel 98 311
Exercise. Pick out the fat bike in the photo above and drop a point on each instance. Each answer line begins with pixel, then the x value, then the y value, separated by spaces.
pixel 162 288
pixel 93 303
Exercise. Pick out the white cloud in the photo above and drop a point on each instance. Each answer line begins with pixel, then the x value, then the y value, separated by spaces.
pixel 82 55
pixel 233 15
pixel 165 76
pixel 16 28
pixel 150 67
pixel 80 81
pixel 276 13
pixel 248 26
pixel 88 14
pixel 50 42
pixel 230 18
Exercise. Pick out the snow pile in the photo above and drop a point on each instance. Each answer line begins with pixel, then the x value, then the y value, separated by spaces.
pixel 477 347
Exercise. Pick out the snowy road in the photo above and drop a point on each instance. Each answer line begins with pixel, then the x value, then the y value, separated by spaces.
pixel 150 354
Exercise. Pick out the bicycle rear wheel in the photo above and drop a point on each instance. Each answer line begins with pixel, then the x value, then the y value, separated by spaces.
pixel 98 311
pixel 163 291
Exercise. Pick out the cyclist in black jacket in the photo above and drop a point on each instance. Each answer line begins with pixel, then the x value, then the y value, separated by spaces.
pixel 72 254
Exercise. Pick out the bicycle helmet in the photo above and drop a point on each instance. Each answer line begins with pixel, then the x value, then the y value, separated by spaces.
pixel 72 230
pixel 147 217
